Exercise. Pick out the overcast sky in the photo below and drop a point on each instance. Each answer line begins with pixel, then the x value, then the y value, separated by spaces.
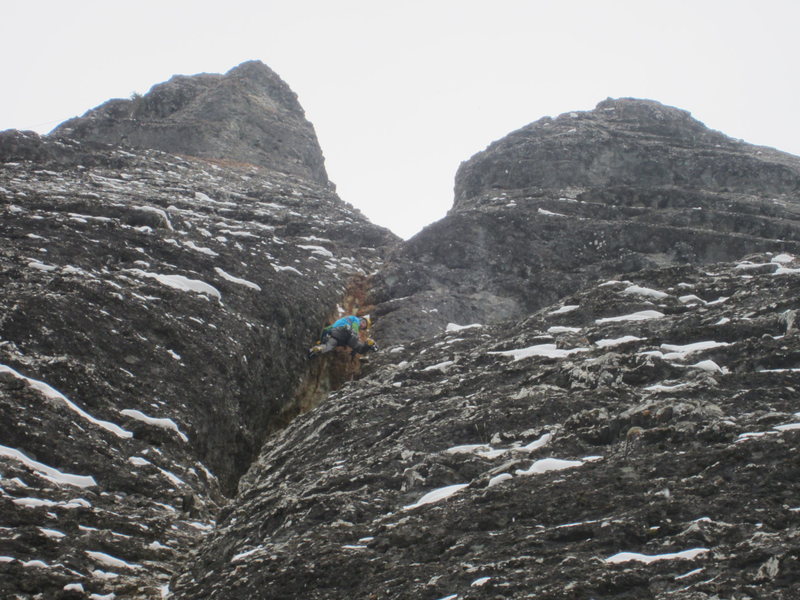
pixel 401 92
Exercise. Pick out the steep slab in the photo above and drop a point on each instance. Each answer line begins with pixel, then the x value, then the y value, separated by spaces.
pixel 154 315
pixel 637 441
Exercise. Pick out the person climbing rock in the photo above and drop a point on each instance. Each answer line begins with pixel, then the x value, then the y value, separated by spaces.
pixel 345 332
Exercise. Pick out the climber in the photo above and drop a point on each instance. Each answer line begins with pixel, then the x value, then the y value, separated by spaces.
pixel 345 332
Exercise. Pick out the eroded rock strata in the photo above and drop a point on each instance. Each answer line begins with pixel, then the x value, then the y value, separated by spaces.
pixel 154 317
pixel 248 115
pixel 587 386
pixel 637 440
pixel 555 205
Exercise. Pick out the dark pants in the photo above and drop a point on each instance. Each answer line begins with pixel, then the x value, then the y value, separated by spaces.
pixel 343 336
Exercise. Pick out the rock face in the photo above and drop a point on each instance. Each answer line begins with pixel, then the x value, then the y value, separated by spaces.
pixel 587 386
pixel 630 185
pixel 637 440
pixel 247 115
pixel 154 315
pixel 624 143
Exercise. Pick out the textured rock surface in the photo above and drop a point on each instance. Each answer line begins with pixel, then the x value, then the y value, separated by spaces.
pixel 631 432
pixel 247 115
pixel 624 142
pixel 631 185
pixel 637 441
pixel 153 320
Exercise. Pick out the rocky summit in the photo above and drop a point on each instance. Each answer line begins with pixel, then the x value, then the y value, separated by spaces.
pixel 247 115
pixel 539 214
pixel 586 389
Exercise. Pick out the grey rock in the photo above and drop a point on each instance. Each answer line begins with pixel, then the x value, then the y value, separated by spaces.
pixel 248 115
pixel 618 421
pixel 624 142
pixel 630 185
pixel 668 452
pixel 153 324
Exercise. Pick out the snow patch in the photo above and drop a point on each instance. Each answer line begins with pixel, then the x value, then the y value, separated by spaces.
pixel 607 343
pixel 163 423
pixel 561 329
pixel 49 473
pixel 237 280
pixel 643 291
pixel 201 249
pixel 110 561
pixel 548 213
pixel 547 350
pixel 642 315
pixel 440 366
pixel 709 366
pixel 676 352
pixel 245 554
pixel 179 282
pixel 279 268
pixel 319 250
pixel 437 495
pixel 649 558
pixel 498 479
pixel 564 309
pixel 56 395
pixel 549 464
pixel 451 327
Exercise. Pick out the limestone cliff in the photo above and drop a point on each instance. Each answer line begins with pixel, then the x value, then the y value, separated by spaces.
pixel 154 316
pixel 635 441
pixel 587 386
pixel 632 184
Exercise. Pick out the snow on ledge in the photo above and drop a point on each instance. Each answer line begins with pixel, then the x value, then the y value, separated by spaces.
pixel 564 309
pixel 544 465
pixel 442 366
pixel 548 350
pixel 179 282
pixel 280 269
pixel 486 451
pixel 642 315
pixel 636 290
pixel 49 473
pixel 54 394
pixel 649 558
pixel 162 423
pixel 110 561
pixel 609 343
pixel 245 554
pixel 237 280
pixel 451 327
pixel 437 495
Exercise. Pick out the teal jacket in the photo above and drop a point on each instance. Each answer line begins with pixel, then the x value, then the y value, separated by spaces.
pixel 351 322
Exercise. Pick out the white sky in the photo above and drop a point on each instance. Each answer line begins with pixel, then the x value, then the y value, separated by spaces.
pixel 401 92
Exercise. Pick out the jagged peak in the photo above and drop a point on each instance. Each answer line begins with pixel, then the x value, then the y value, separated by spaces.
pixel 248 114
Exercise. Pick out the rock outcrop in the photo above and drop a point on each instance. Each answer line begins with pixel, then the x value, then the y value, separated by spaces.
pixel 587 386
pixel 630 185
pixel 247 115
pixel 624 143
pixel 154 316
pixel 637 440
